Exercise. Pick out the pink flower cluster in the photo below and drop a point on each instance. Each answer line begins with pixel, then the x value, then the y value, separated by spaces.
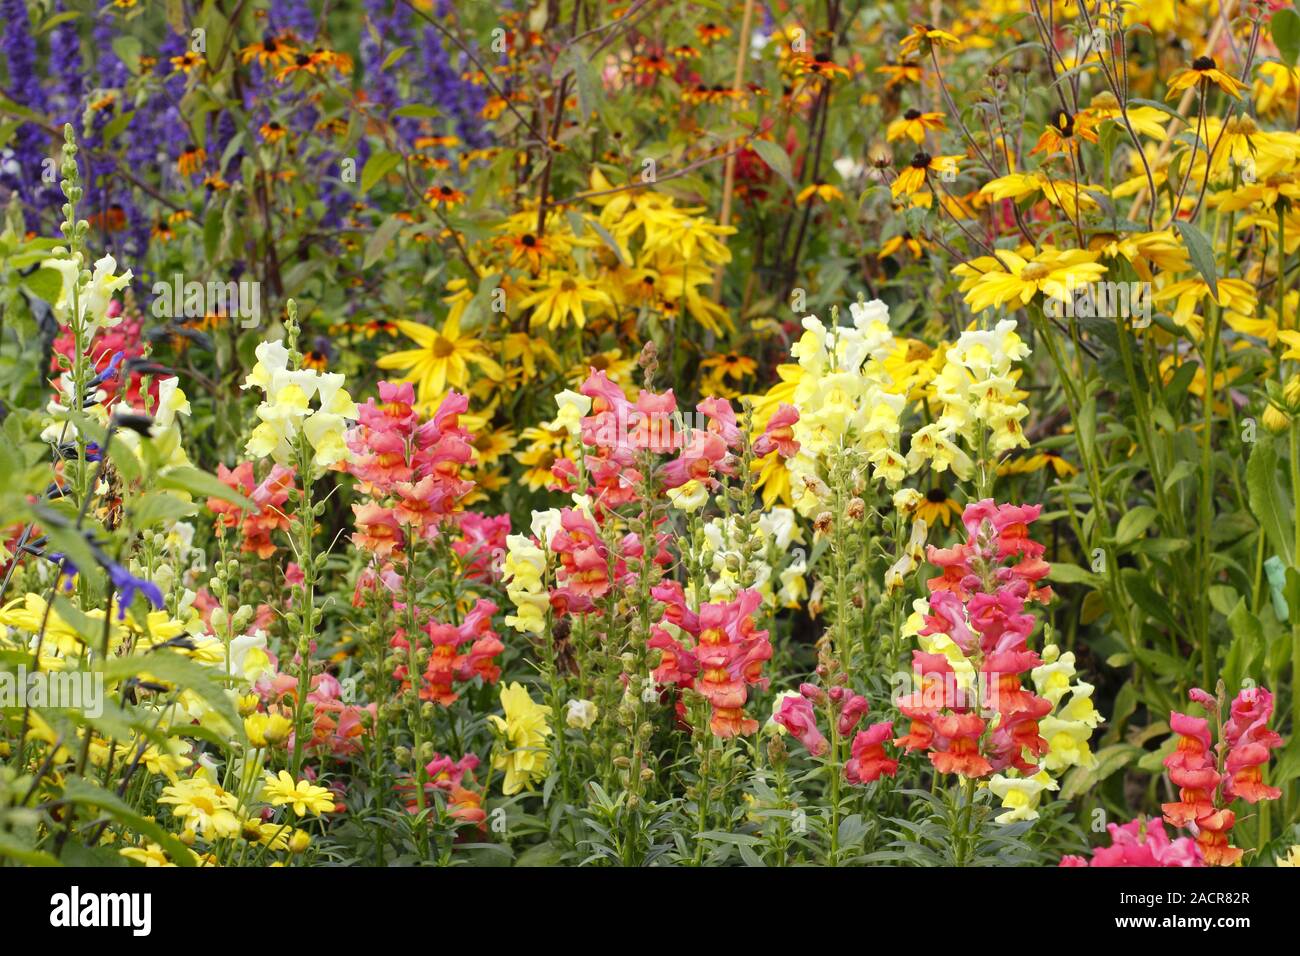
pixel 268 496
pixel 447 664
pixel 1141 843
pixel 1208 782
pixel 482 544
pixel 726 658
pixel 979 602
pixel 452 778
pixel 410 469
pixel 616 430
pixel 869 762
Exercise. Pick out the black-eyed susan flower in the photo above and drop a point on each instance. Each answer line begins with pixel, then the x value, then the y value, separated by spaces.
pixel 1028 464
pixel 913 176
pixel 110 219
pixel 301 63
pixel 269 52
pixel 530 249
pixel 732 365
pixel 317 357
pixel 1063 133
pixel 272 132
pixel 187 61
pixel 1204 70
pixel 813 192
pixel 444 196
pixel 684 52
pixel 333 59
pixel 904 240
pixel 651 64
pixel 905 71
pixel 191 159
pixel 378 327
pixel 924 38
pixel 913 125
pixel 335 126
pixel 710 33
pixel 214 182
pixel 937 507
pixel 819 65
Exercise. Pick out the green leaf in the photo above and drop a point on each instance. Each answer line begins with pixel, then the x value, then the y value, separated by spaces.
pixel 11 849
pixel 77 790
pixel 393 57
pixel 1268 502
pixel 1072 574
pixel 1201 253
pixel 379 241
pixel 1286 34
pixel 179 670
pixel 212 234
pixel 1109 760
pixel 1247 643
pixel 128 49
pixel 418 110
pixel 777 159
pixel 156 507
pixel 377 167
pixel 588 84
pixel 1134 524
pixel 45 283
pixel 1147 598
pixel 202 485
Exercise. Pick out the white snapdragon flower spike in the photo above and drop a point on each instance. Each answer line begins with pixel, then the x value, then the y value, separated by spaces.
pixel 544 525
pixel 271 357
pixel 1020 796
pixel 288 409
pixel 846 400
pixel 93 299
pixel 572 406
pixel 581 714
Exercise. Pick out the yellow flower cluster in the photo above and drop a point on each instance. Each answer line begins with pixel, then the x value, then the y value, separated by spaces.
pixel 847 398
pixel 977 387
pixel 522 752
pixel 287 409
pixel 523 572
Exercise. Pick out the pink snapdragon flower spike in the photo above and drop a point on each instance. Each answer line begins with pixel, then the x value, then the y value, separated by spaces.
pixel 1141 843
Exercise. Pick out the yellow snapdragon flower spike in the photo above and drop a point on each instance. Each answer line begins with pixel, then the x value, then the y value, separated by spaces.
pixel 523 752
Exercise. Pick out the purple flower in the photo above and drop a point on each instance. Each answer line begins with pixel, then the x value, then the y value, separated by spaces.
pixel 127 586
pixel 21 170
pixel 294 15
pixel 69 77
